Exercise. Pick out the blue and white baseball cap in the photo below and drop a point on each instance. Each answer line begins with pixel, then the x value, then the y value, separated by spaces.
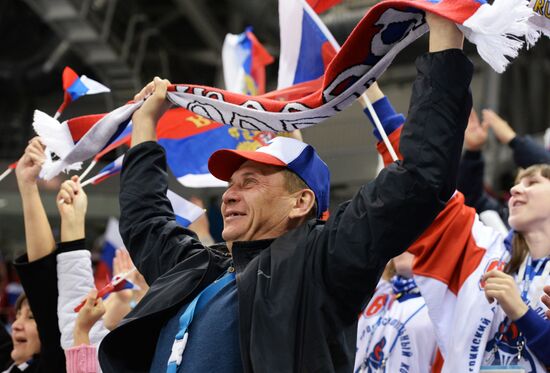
pixel 298 157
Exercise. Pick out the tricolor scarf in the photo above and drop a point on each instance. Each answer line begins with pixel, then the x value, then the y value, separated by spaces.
pixel 384 31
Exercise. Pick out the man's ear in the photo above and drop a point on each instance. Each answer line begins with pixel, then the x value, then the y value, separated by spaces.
pixel 305 200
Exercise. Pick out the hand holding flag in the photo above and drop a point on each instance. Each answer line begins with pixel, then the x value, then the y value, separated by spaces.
pixel 30 164
pixel 117 283
pixel 91 311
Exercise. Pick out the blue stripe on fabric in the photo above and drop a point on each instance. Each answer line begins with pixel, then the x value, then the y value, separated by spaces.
pixel 190 155
pixel 310 60
pixel 182 221
pixel 77 89
pixel 314 174
pixel 389 118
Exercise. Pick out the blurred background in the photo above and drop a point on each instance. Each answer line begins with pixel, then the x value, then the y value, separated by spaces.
pixel 123 44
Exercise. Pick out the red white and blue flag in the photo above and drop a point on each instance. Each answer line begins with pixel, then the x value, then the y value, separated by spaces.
pixel 76 86
pixel 186 212
pixel 124 138
pixel 106 172
pixel 307 46
pixel 80 138
pixel 244 60
pixel 181 133
pixel 112 242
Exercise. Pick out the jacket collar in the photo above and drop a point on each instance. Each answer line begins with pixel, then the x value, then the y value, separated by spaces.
pixel 244 251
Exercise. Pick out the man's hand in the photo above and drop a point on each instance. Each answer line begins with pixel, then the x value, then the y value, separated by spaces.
pixel 30 163
pixel 443 33
pixel 476 133
pixel 546 300
pixel 145 118
pixel 503 288
pixel 90 313
pixel 501 128
pixel 72 205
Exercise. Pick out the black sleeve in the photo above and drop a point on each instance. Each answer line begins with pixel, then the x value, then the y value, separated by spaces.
pixel 147 222
pixel 470 177
pixel 388 214
pixel 470 183
pixel 39 280
pixel 527 152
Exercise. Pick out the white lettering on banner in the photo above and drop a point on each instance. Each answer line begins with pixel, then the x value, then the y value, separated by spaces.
pixel 294 106
pixel 215 95
pixel 206 110
pixel 253 105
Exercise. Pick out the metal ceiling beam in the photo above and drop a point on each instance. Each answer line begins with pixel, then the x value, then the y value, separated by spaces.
pixel 205 25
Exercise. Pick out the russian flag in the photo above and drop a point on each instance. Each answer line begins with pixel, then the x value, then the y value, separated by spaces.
pixel 307 46
pixel 80 138
pixel 124 138
pixel 183 133
pixel 186 212
pixel 112 242
pixel 106 172
pixel 76 87
pixel 244 60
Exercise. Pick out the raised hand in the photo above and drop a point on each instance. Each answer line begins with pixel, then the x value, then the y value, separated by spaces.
pixel 88 315
pixel 146 117
pixel 38 233
pixel 501 128
pixel 443 33
pixel 476 133
pixel 122 263
pixel 501 287
pixel 30 163
pixel 72 205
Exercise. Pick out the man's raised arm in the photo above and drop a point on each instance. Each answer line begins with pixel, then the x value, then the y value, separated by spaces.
pixel 388 214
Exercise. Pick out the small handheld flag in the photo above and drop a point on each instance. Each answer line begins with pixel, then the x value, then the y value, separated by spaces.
pixel 117 283
pixel 186 212
pixel 307 46
pixel 76 87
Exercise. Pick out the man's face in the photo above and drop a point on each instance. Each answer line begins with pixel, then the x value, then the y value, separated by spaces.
pixel 256 203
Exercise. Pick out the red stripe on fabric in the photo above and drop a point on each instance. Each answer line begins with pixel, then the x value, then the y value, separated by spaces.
pixel 438 362
pixel 327 53
pixel 68 77
pixel 260 59
pixel 446 251
pixel 80 125
pixel 124 141
pixel 296 91
pixel 320 6
pixel 180 123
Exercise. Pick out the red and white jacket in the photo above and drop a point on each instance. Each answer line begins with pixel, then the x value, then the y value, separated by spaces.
pixel 451 257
